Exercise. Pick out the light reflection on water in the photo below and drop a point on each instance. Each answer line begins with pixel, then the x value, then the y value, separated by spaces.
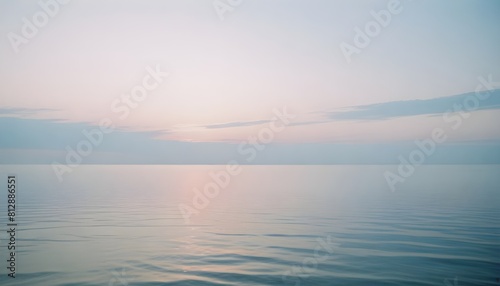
pixel 118 225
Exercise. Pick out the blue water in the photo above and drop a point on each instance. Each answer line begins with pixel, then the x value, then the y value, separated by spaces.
pixel 271 225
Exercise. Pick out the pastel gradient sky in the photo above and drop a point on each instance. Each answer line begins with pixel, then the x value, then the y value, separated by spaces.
pixel 226 77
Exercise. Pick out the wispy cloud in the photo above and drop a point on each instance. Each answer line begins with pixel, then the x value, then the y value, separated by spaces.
pixel 236 124
pixel 20 111
pixel 381 111
pixel 394 109
pixel 301 123
pixel 48 140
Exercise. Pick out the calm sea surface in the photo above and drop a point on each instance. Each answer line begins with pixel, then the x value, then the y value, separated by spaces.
pixel 271 225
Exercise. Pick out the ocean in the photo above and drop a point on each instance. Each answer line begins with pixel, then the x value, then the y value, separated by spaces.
pixel 150 225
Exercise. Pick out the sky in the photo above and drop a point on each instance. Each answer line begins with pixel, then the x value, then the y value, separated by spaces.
pixel 218 73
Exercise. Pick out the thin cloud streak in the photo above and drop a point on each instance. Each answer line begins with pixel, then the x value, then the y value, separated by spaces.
pixel 10 111
pixel 236 124
pixel 396 109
